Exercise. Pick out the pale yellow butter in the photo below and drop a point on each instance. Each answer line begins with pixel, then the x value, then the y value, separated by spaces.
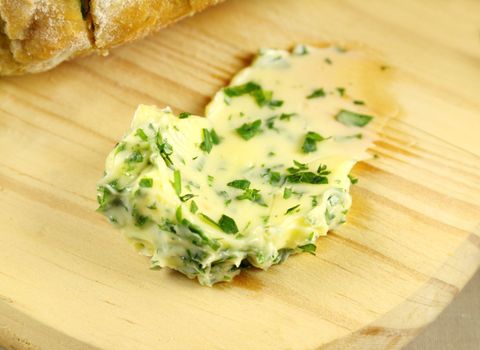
pixel 168 191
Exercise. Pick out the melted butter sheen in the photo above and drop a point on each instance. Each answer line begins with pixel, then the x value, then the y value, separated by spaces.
pixel 261 177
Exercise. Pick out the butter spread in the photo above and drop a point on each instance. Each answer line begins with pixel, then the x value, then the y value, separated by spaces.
pixel 263 176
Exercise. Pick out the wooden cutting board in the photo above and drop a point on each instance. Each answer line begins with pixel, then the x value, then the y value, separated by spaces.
pixel 68 280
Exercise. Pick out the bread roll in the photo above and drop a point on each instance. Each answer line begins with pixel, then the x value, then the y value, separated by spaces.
pixel 117 22
pixel 36 35
pixel 39 34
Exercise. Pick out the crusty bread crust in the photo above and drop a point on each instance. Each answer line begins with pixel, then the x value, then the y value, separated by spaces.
pixel 36 35
pixel 116 22
pixel 39 34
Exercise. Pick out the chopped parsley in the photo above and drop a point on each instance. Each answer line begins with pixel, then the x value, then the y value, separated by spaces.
pixel 287 192
pixel 210 138
pixel 358 102
pixel 177 182
pixel 140 133
pixel 348 137
pixel 353 179
pixel 139 219
pixel 210 180
pixel 316 93
pixel 292 209
pixel 308 248
pixel 165 150
pixel 152 206
pixel 261 97
pixel 271 122
pixel 286 116
pixel 300 175
pixel 186 197
pixel 249 130
pixel 298 167
pixel 352 119
pixel 184 115
pixel 274 177
pixel 146 182
pixel 193 207
pixel 328 60
pixel 120 147
pixel 227 224
pixel 240 184
pixel 135 157
pixel 252 195
pixel 179 214
pixel 208 220
pixel 239 90
pixel 341 91
pixel 310 142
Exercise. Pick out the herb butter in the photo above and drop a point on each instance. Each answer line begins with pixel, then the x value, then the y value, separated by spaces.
pixel 263 176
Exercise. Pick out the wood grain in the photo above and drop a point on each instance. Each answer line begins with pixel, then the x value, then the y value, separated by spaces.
pixel 70 281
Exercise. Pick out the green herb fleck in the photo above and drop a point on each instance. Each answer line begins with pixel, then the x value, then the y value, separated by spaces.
pixel 341 91
pixel 146 182
pixel 177 182
pixel 186 197
pixel 249 130
pixel 210 138
pixel 165 150
pixel 316 93
pixel 274 177
pixel 348 137
pixel 239 90
pixel 287 193
pixel 210 180
pixel 299 175
pixel 241 184
pixel 310 142
pixel 353 179
pixel 358 102
pixel 271 122
pixel 135 157
pixel 292 209
pixel 227 224
pixel 193 207
pixel 208 220
pixel 140 220
pixel 322 170
pixel 307 177
pixel 120 147
pixel 184 115
pixel 353 119
pixel 298 167
pixel 308 248
pixel 261 97
pixel 178 214
pixel 140 133
pixel 252 195
pixel 152 206
pixel 286 116
pixel 328 60
pixel 215 137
